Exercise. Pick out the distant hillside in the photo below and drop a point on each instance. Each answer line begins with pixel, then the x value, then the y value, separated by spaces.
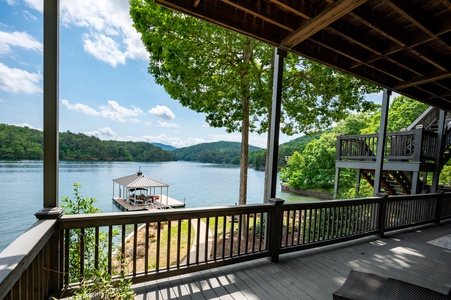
pixel 258 158
pixel 164 147
pixel 17 143
pixel 216 152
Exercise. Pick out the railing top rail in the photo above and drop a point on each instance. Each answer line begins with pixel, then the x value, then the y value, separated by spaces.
pixel 360 136
pixel 121 218
pixel 331 203
pixel 21 253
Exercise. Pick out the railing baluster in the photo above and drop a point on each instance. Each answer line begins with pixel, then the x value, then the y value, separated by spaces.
pixel 197 240
pixel 188 248
pixel 66 256
pixel 82 253
pixel 179 238
pixel 240 226
pixel 168 247
pixel 254 232
pixel 224 233
pixel 146 250
pixel 110 248
pixel 207 229
pixel 97 246
pixel 135 242
pixel 215 238
pixel 157 254
pixel 232 235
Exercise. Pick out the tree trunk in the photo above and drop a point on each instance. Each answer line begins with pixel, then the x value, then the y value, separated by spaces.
pixel 245 89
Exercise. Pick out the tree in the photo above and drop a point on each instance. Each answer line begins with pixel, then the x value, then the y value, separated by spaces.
pixel 228 77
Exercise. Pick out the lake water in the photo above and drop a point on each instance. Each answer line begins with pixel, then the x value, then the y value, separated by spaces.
pixel 198 184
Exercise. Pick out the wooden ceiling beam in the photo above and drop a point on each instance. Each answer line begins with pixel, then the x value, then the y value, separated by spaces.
pixel 325 18
pixel 418 19
pixel 357 37
pixel 262 10
pixel 424 80
pixel 303 11
pixel 334 43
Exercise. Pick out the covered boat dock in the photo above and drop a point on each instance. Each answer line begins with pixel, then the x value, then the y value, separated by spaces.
pixel 138 192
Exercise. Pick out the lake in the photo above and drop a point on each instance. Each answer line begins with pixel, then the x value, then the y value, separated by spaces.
pixel 198 184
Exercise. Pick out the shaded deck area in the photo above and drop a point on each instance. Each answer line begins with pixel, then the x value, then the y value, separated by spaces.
pixel 421 256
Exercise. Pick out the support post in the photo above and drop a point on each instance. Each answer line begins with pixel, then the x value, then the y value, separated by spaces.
pixel 337 182
pixel 51 98
pixel 275 234
pixel 274 127
pixel 381 142
pixel 357 186
pixel 439 151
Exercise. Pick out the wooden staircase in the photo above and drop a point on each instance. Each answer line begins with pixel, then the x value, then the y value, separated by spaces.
pixel 393 182
pixel 400 182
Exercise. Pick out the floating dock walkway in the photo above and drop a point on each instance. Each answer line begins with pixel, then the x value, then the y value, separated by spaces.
pixel 165 203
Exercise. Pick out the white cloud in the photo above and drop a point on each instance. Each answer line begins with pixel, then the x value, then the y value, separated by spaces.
pixel 163 112
pixel 18 39
pixel 119 113
pixel 35 4
pixel 110 28
pixel 112 111
pixel 105 133
pixel 167 125
pixel 104 48
pixel 81 108
pixel 17 81
pixel 27 125
pixel 168 140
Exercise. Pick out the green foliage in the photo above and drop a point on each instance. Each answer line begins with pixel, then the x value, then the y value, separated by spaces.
pixel 24 143
pixel 258 158
pixel 20 143
pixel 96 282
pixel 403 111
pixel 314 168
pixel 217 152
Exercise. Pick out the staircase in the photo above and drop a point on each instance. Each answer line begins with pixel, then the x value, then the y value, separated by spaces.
pixel 400 182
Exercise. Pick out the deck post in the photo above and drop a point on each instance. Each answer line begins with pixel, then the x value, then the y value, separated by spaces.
pixel 275 234
pixel 382 214
pixel 439 207
pixel 51 99
pixel 439 151
pixel 275 125
pixel 381 142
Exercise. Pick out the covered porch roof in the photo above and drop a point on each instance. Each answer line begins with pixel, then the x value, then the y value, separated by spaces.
pixel 404 46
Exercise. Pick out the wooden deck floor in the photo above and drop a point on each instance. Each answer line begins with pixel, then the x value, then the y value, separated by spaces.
pixel 317 273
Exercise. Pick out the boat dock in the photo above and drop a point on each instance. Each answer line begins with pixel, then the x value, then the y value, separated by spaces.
pixel 165 203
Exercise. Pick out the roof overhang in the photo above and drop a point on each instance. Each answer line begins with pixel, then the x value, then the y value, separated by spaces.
pixel 401 45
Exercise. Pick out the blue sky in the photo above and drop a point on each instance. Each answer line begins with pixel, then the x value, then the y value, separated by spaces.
pixel 105 89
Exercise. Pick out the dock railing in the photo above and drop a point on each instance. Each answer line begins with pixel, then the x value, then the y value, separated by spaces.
pixel 145 246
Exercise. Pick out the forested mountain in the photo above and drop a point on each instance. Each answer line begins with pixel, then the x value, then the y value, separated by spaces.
pixel 258 158
pixel 164 146
pixel 216 152
pixel 25 143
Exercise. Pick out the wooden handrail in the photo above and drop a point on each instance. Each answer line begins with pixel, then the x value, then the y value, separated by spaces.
pixel 260 230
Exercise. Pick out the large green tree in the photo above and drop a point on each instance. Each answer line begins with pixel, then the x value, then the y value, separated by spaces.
pixel 228 77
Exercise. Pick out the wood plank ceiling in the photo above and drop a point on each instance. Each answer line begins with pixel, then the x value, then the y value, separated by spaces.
pixel 401 45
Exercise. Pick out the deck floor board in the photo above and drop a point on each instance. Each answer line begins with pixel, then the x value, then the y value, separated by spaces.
pixel 317 273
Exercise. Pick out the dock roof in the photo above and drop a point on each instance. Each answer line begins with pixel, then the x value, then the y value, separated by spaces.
pixel 139 181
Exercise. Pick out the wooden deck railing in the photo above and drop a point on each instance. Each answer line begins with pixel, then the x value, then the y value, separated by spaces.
pixel 146 246
pixel 414 145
